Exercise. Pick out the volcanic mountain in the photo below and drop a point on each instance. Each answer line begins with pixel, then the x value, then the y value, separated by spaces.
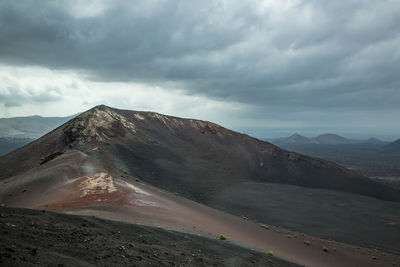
pixel 117 164
pixel 191 157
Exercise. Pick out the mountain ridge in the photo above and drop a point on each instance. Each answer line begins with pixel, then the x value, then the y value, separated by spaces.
pixel 322 139
pixel 184 154
pixel 393 146
pixel 30 126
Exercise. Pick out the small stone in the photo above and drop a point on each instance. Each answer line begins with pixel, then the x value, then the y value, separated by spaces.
pixel 34 251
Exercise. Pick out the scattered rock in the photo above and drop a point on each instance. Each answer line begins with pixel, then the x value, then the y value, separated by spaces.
pixel 34 251
pixel 10 249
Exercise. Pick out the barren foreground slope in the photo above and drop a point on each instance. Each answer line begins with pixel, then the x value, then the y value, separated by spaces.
pixel 31 238
pixel 75 183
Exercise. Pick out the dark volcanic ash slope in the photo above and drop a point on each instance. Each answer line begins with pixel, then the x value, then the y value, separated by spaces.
pixel 35 238
pixel 194 158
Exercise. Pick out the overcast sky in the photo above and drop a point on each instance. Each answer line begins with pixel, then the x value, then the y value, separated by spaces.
pixel 267 68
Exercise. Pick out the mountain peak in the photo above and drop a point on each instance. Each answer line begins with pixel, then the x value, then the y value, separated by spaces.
pixel 101 106
pixel 330 135
pixel 98 124
pixel 296 135
pixel 297 138
pixel 103 123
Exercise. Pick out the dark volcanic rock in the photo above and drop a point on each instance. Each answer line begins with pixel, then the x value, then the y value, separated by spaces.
pixel 32 238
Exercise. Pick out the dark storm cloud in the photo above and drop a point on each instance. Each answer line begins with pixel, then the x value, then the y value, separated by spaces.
pixel 313 54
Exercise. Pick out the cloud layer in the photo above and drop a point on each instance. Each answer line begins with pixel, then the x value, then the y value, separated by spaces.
pixel 280 57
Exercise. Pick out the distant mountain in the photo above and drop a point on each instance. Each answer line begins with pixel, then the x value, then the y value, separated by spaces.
pixel 393 146
pixel 372 157
pixel 374 141
pixel 332 139
pixel 30 127
pixel 298 139
pixel 323 139
pixel 8 144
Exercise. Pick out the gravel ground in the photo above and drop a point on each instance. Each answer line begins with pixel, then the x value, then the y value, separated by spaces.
pixel 32 238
